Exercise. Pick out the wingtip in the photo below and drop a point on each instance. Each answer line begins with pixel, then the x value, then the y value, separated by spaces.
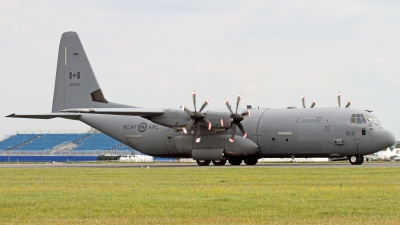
pixel 11 115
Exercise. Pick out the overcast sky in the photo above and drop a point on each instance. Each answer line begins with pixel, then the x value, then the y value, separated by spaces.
pixel 155 53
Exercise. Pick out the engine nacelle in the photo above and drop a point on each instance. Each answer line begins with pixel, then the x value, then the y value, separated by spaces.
pixel 240 147
pixel 177 119
pixel 172 118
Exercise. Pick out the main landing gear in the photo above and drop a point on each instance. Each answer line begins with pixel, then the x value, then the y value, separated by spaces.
pixel 219 162
pixel 203 162
pixel 356 159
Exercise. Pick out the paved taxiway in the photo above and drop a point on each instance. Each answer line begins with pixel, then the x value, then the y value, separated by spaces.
pixel 194 165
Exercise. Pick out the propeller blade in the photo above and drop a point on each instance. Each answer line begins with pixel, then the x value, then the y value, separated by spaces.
pixel 242 129
pixel 314 104
pixel 246 113
pixel 198 133
pixel 349 103
pixel 190 124
pixel 194 100
pixel 227 105
pixel 226 122
pixel 232 138
pixel 303 100
pixel 338 98
pixel 204 105
pixel 208 122
pixel 237 102
pixel 190 113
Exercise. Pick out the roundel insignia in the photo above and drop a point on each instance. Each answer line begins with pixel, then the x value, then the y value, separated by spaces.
pixel 142 127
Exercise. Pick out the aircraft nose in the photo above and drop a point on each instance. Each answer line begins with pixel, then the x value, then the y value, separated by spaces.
pixel 384 139
pixel 391 139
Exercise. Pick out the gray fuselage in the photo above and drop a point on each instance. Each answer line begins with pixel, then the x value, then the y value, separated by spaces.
pixel 294 132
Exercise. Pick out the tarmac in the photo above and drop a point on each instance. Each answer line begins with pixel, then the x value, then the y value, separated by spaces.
pixel 194 165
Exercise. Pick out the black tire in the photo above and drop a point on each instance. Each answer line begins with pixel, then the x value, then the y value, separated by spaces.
pixel 219 162
pixel 356 159
pixel 361 159
pixel 234 161
pixel 203 162
pixel 251 161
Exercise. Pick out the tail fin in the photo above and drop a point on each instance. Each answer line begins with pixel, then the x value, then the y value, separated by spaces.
pixel 76 85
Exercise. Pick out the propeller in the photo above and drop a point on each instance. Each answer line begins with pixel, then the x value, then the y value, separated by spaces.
pixel 349 103
pixel 314 103
pixel 196 117
pixel 235 119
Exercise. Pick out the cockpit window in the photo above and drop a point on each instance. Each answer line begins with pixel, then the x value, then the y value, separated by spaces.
pixel 372 120
pixel 358 119
pixel 376 121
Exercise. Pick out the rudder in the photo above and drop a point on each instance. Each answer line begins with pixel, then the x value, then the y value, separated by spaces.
pixel 76 85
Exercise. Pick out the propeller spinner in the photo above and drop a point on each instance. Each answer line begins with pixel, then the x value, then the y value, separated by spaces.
pixel 235 119
pixel 196 117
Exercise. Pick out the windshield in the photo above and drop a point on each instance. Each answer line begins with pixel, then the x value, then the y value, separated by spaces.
pixel 369 119
pixel 376 121
pixel 372 120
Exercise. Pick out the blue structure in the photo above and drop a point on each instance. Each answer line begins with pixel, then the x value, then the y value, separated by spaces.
pixel 48 147
pixel 98 141
pixel 16 140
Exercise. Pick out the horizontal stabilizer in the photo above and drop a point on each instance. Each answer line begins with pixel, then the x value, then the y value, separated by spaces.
pixel 72 116
pixel 118 111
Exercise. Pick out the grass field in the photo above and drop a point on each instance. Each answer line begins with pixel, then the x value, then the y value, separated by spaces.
pixel 247 195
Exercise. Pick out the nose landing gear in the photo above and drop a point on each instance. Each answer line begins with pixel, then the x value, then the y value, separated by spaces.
pixel 356 159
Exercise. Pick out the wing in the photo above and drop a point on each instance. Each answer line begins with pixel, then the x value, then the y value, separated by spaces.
pixel 72 116
pixel 118 111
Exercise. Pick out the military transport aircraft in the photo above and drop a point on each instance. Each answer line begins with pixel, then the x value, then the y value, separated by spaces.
pixel 211 135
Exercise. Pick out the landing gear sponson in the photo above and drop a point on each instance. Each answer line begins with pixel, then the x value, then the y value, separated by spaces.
pixel 356 159
pixel 231 160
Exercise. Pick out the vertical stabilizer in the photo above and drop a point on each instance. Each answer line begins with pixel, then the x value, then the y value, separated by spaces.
pixel 76 85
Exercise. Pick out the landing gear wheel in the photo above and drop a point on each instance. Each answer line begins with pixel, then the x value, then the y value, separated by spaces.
pixel 219 162
pixel 203 162
pixel 361 159
pixel 356 159
pixel 251 161
pixel 234 161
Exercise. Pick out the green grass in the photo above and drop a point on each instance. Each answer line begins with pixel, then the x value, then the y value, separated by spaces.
pixel 200 195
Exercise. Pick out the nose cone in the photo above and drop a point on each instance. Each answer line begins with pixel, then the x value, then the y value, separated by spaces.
pixel 383 139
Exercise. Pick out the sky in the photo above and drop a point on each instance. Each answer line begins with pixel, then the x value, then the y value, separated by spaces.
pixel 153 54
